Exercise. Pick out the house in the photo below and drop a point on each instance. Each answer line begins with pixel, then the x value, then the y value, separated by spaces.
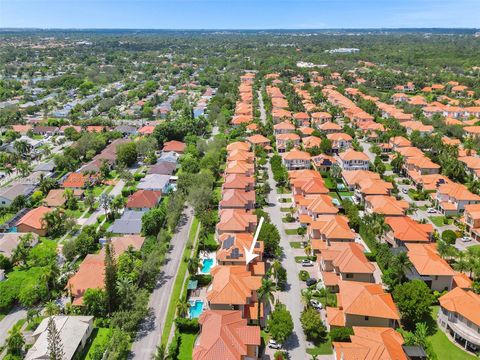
pixel 32 221
pixel 146 130
pixel 319 118
pixel 459 317
pixel 363 304
pixel 129 223
pixel 155 182
pixel 241 155
pixel 452 198
pixel 354 160
pixel 77 181
pixel 171 157
pixel 10 193
pixel 126 130
pixel 353 177
pixel 143 200
pixel 10 241
pixel 330 128
pixel 399 142
pixel 371 187
pixel 237 199
pixel 259 140
pixel 55 198
pixel 310 208
pixel 431 182
pixel 73 331
pixel 310 142
pixel 284 141
pixel 232 249
pixel 323 162
pixel 284 127
pixel 340 141
pixel 240 168
pixel 429 267
pixel 175 146
pixel 346 261
pixel 472 164
pixel 109 154
pixel 327 229
pixel 163 168
pixel 225 334
pixel 236 221
pixel 239 181
pixel 373 343
pixel 93 167
pixel 305 131
pixel 385 205
pixel 305 186
pixel 279 115
pixel 45 130
pixel 234 288
pixel 91 272
pixel 296 159
pixel 238 145
pixel 403 230
pixel 472 220
pixel 417 166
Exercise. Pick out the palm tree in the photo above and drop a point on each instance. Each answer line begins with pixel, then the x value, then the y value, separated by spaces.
pixel 161 353
pixel 105 202
pixel 89 200
pixel 307 296
pixel 51 308
pixel 126 291
pixel 15 341
pixel 50 276
pixel 265 294
pixel 193 265
pixel 182 308
pixel 22 147
pixel 24 168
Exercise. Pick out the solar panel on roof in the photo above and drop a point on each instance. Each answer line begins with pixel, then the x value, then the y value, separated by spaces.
pixel 228 242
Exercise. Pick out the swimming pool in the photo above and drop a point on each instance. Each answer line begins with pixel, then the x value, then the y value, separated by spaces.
pixel 206 266
pixel 196 308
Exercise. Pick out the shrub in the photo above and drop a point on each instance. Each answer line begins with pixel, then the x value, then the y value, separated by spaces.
pixel 341 334
pixel 138 176
pixel 203 279
pixel 187 325
pixel 449 236
pixel 303 275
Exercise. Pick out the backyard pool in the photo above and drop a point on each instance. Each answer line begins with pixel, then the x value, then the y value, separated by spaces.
pixel 196 308
pixel 206 265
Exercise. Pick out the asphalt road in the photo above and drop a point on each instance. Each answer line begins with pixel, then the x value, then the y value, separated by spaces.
pixel 8 321
pixel 150 333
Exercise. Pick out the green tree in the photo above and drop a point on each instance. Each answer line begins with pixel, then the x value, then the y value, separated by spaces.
pixel 127 153
pixel 280 323
pixel 312 325
pixel 15 341
pixel 110 278
pixel 265 293
pixel 54 343
pixel 94 302
pixel 413 299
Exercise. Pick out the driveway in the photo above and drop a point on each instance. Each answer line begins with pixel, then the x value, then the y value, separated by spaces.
pixel 296 344
pixel 150 333
pixel 8 321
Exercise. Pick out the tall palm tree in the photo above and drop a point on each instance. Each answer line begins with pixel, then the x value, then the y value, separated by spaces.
pixel 161 353
pixel 51 308
pixel 22 147
pixel 50 276
pixel 182 308
pixel 193 265
pixel 265 294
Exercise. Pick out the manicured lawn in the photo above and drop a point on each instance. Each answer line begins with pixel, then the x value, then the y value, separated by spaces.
pixel 97 190
pixel 443 347
pixel 291 231
pixel 322 349
pixel 75 213
pixel 438 220
pixel 329 183
pixel 99 336
pixel 178 285
pixel 282 190
pixel 296 244
pixel 285 209
pixel 388 167
pixel 186 346
pixel 285 200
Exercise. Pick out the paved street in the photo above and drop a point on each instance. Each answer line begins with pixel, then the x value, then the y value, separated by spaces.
pixel 263 113
pixel 296 344
pixel 150 333
pixel 8 321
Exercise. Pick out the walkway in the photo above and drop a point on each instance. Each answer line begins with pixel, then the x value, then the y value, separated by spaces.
pixel 150 332
pixel 8 321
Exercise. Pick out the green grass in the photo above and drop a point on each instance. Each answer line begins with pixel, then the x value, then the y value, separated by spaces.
pixel 298 259
pixel 388 167
pixel 285 209
pixel 284 200
pixel 296 244
pixel 283 191
pixel 75 213
pixel 291 231
pixel 97 190
pixel 2 316
pixel 438 220
pixel 186 346
pixel 443 347
pixel 322 349
pixel 334 195
pixel 99 336
pixel 329 183
pixel 178 285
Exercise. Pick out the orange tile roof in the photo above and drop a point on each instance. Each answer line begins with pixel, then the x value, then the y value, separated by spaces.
pixel 232 285
pixel 339 136
pixel 457 192
pixel 295 154
pixel 236 198
pixel 284 125
pixel 425 259
pixel 408 230
pixel 34 218
pixel 238 181
pixel 349 258
pixel 235 220
pixel 239 145
pixel 461 280
pixel 463 302
pixel 353 177
pixel 230 242
pixel 143 199
pixel 75 180
pixel 321 204
pixel 330 126
pixel 333 227
pixel 146 130
pixel 371 343
pixel 174 145
pixel 387 205
pixel 258 139
pixel 311 141
pixel 240 155
pixel 225 335
pixel 351 154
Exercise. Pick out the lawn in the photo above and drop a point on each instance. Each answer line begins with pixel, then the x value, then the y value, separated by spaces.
pixel 186 346
pixel 438 220
pixel 291 231
pixel 296 244
pixel 98 337
pixel 178 285
pixel 443 347
pixel 285 200
pixel 285 209
pixel 97 190
pixel 322 349
pixel 329 183
pixel 282 190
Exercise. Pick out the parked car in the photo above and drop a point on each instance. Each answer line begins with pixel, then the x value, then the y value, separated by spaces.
pixel 307 263
pixel 316 304
pixel 405 191
pixel 431 211
pixel 311 282
pixel 272 344
pixel 466 239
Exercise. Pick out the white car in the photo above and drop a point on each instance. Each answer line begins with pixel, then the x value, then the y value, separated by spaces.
pixel 466 239
pixel 272 344
pixel 316 304
pixel 307 263
pixel 431 211
pixel 405 191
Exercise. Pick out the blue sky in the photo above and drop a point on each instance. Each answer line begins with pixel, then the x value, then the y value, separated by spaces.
pixel 239 14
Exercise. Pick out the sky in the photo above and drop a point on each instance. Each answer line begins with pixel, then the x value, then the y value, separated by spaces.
pixel 239 14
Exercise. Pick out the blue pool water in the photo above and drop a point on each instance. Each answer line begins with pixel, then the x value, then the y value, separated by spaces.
pixel 196 308
pixel 206 266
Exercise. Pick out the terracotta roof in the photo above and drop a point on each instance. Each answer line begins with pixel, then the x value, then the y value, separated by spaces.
pixel 339 136
pixel 371 343
pixel 239 145
pixel 329 126
pixel 284 125
pixel 311 141
pixel 348 257
pixel 232 285
pixel 426 260
pixel 351 154
pixel 353 177
pixel 458 192
pixel 224 335
pixel 55 198
pixel 238 181
pixel 287 137
pixel 143 199
pixel 235 220
pixel 258 139
pixel 240 155
pixel 235 244
pixel 461 280
pixel 321 204
pixel 34 218
pixel 408 230
pixel 236 198
pixel 75 180
pixel 295 154
pixel 463 302
pixel 176 146
pixel 333 227
pixel 146 130
pixel 387 205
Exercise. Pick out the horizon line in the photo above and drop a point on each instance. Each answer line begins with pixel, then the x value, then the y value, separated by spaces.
pixel 241 29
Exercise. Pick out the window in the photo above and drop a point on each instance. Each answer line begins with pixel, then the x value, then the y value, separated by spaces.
pixel 367 318
pixel 349 276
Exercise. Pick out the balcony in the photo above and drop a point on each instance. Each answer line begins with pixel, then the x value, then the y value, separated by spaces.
pixel 459 329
